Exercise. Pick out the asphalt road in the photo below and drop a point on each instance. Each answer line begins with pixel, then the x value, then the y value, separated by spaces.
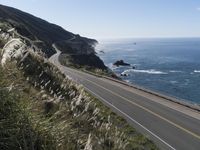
pixel 169 125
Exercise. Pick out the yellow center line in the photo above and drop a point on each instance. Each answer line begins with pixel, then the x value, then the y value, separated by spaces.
pixel 146 109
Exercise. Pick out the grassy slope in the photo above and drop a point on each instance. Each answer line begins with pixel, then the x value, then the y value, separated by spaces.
pixel 41 109
pixel 86 63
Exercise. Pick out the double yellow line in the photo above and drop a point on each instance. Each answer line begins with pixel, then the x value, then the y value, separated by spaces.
pixel 146 109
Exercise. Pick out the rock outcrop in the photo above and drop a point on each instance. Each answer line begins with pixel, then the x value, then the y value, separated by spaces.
pixel 120 63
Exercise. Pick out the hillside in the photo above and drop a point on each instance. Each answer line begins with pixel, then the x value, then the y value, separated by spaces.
pixel 41 35
pixel 43 109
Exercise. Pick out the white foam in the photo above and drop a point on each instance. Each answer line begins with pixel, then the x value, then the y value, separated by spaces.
pixel 113 67
pixel 175 71
pixel 150 71
pixel 173 82
pixel 196 71
pixel 128 81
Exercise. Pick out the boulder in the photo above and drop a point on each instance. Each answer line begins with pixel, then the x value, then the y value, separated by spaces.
pixel 120 63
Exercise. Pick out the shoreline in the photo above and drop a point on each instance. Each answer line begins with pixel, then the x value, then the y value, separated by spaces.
pixel 183 102
pixel 170 98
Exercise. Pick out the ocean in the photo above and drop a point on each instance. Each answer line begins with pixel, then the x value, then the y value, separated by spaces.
pixel 170 66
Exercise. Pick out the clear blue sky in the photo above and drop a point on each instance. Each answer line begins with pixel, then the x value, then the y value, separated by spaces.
pixel 118 18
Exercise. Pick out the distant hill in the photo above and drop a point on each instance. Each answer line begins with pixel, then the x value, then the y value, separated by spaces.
pixel 44 34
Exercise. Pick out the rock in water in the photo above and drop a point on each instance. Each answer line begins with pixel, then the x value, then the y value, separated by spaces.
pixel 120 63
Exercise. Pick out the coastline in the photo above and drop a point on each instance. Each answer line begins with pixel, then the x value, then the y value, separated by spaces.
pixel 179 101
pixel 174 72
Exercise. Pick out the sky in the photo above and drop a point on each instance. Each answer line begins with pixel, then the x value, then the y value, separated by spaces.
pixel 118 18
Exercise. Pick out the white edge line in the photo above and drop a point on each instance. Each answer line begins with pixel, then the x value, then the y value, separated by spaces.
pixel 131 119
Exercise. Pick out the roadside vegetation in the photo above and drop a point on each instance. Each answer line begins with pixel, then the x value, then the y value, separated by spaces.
pixel 86 63
pixel 43 109
pixel 2 43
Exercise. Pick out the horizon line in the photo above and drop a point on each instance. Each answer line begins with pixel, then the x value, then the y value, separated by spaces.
pixel 143 37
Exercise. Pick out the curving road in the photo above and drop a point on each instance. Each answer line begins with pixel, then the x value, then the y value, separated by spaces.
pixel 170 125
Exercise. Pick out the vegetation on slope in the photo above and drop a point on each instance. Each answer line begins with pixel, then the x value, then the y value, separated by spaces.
pixel 88 63
pixel 42 109
pixel 20 126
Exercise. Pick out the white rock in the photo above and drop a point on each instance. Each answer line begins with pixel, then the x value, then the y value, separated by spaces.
pixel 12 49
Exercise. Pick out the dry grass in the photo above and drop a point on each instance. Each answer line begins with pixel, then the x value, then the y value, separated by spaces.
pixel 44 110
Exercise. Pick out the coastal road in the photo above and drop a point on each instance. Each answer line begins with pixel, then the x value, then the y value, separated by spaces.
pixel 170 125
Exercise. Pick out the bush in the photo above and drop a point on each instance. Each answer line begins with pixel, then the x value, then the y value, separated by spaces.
pixel 16 128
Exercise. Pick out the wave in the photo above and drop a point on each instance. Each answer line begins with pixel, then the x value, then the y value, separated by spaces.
pixel 173 82
pixel 150 71
pixel 128 81
pixel 175 71
pixel 196 71
pixel 112 67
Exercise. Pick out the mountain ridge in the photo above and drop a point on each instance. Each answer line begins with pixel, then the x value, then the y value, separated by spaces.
pixel 43 35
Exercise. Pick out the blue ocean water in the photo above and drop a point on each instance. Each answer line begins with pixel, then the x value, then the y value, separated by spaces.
pixel 168 65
